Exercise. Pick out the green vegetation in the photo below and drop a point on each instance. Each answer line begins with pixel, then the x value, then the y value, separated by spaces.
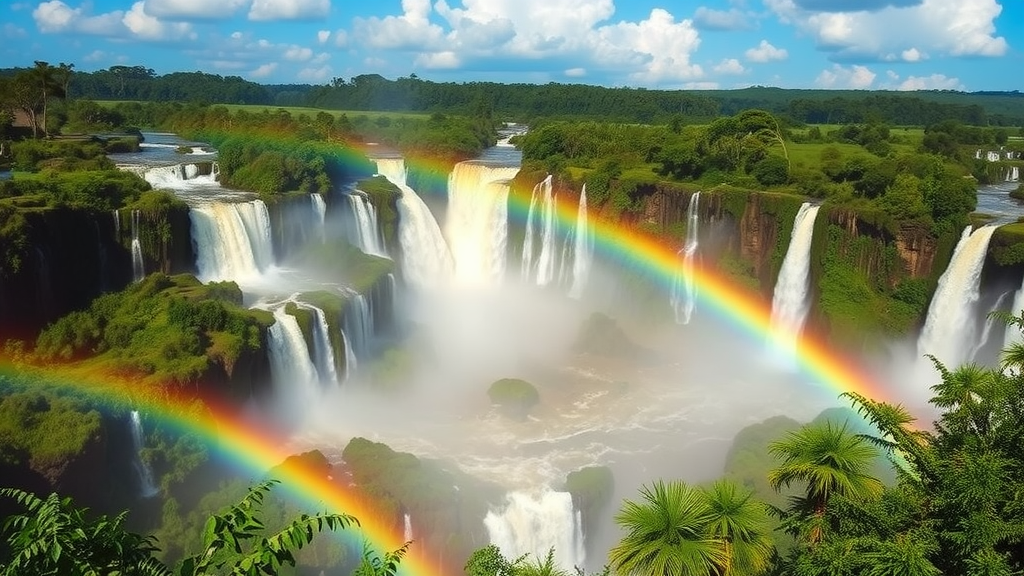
pixel 338 261
pixel 166 329
pixel 384 195
pixel 39 428
pixel 515 397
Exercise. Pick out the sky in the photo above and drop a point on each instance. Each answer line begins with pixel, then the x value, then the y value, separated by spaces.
pixel 968 45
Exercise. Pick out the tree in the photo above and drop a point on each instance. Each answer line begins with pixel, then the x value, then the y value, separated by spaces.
pixel 667 534
pixel 44 79
pixel 742 524
pixel 831 461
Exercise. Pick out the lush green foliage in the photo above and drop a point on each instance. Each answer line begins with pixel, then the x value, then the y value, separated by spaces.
pixel 41 428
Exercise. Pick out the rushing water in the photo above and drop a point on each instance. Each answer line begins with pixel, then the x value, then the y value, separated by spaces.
pixel 789 303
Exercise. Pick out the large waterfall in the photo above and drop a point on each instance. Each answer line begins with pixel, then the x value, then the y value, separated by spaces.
pixel 320 209
pixel 534 523
pixel 323 352
pixel 684 285
pixel 363 231
pixel 232 240
pixel 583 253
pixel 147 487
pixel 293 370
pixel 789 303
pixel 138 266
pixel 359 324
pixel 540 218
pixel 951 325
pixel 427 262
pixel 477 221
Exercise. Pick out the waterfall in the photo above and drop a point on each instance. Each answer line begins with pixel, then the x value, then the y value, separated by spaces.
pixel 350 357
pixel 950 327
pixel 477 222
pixel 407 532
pixel 138 267
pixel 534 523
pixel 174 175
pixel 117 224
pixel 147 488
pixel 232 240
pixel 684 286
pixel 1014 334
pixel 293 371
pixel 583 254
pixel 542 206
pixel 789 303
pixel 990 322
pixel 364 233
pixel 426 259
pixel 320 210
pixel 527 263
pixel 323 353
pixel 1013 174
pixel 359 324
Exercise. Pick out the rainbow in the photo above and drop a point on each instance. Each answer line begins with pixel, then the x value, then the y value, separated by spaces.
pixel 258 450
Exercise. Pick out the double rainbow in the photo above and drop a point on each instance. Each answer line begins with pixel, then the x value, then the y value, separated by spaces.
pixel 259 450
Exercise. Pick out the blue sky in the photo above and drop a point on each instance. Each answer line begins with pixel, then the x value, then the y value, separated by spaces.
pixel 872 44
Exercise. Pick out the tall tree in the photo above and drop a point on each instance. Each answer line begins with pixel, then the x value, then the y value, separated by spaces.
pixel 831 461
pixel 44 80
pixel 741 522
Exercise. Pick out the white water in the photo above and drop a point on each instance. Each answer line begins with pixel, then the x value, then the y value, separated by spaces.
pixel 684 286
pixel 426 260
pixel 534 523
pixel 293 371
pixel 1014 334
pixel 477 222
pixel 527 263
pixel 351 364
pixel 364 232
pixel 583 254
pixel 789 302
pixel 359 324
pixel 173 176
pixel 232 240
pixel 1013 174
pixel 542 206
pixel 147 487
pixel 320 210
pixel 138 266
pixel 407 531
pixel 950 327
pixel 990 322
pixel 117 224
pixel 323 353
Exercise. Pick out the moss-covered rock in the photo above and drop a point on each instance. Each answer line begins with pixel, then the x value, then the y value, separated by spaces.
pixel 591 488
pixel 384 196
pixel 513 396
pixel 601 335
pixel 1007 244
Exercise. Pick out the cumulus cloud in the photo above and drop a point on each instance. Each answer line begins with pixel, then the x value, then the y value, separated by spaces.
pixel 95 56
pixel 855 77
pixel 765 52
pixel 323 36
pixel 913 55
pixel 297 53
pixel 289 9
pixel 576 72
pixel 932 82
pixel 193 9
pixel 660 45
pixel 706 18
pixel 875 30
pixel 701 85
pixel 412 30
pixel 55 16
pixel 314 74
pixel 264 70
pixel 341 38
pixel 729 66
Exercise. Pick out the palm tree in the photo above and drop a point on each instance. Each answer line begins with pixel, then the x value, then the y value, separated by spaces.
pixel 741 522
pixel 667 534
pixel 832 461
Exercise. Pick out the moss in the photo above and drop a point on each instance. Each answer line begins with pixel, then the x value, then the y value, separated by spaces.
pixel 340 262
pixel 1007 244
pixel 515 397
pixel 333 305
pixel 304 318
pixel 591 488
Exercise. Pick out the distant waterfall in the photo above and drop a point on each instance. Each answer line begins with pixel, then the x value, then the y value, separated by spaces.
pixel 138 266
pixel 1014 334
pixel 323 352
pixel 583 254
pixel 542 208
pixel 427 262
pixel 359 324
pixel 789 303
pixel 990 324
pixel 117 224
pixel 477 222
pixel 364 233
pixel 407 531
pixel 232 240
pixel 684 286
pixel 294 373
pixel 147 487
pixel 1013 174
pixel 320 210
pixel 350 356
pixel 951 325
pixel 173 176
pixel 533 524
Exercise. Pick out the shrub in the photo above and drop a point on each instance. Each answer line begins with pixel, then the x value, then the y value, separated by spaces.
pixel 515 397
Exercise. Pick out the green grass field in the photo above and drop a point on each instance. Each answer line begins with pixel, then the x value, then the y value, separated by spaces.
pixel 296 110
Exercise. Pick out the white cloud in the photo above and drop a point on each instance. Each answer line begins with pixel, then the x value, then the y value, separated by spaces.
pixel 946 27
pixel 95 56
pixel 236 35
pixel 289 9
pixel 57 17
pixel 323 36
pixel 702 85
pixel 314 74
pixel 148 27
pixel 855 77
pixel 765 52
pixel 576 72
pixel 412 30
pixel 264 70
pixel 913 55
pixel 709 19
pixel 341 39
pixel 193 9
pixel 729 66
pixel 933 82
pixel 297 53
pixel 446 60
pixel 659 47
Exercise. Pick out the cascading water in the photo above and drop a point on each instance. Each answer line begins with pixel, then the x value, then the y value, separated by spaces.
pixel 320 210
pixel 232 240
pixel 351 364
pixel 117 224
pixel 536 523
pixel 542 206
pixel 364 233
pixel 427 262
pixel 583 254
pixel 359 324
pixel 147 487
pixel 477 221
pixel 323 353
pixel 950 327
pixel 173 176
pixel 1013 174
pixel 789 303
pixel 684 286
pixel 407 531
pixel 138 266
pixel 527 263
pixel 1013 334
pixel 986 332
pixel 290 364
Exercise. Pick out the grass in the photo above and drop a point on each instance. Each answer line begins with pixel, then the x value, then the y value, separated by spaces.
pixel 295 110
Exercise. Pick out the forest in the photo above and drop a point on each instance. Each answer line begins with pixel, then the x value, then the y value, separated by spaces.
pixel 862 491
